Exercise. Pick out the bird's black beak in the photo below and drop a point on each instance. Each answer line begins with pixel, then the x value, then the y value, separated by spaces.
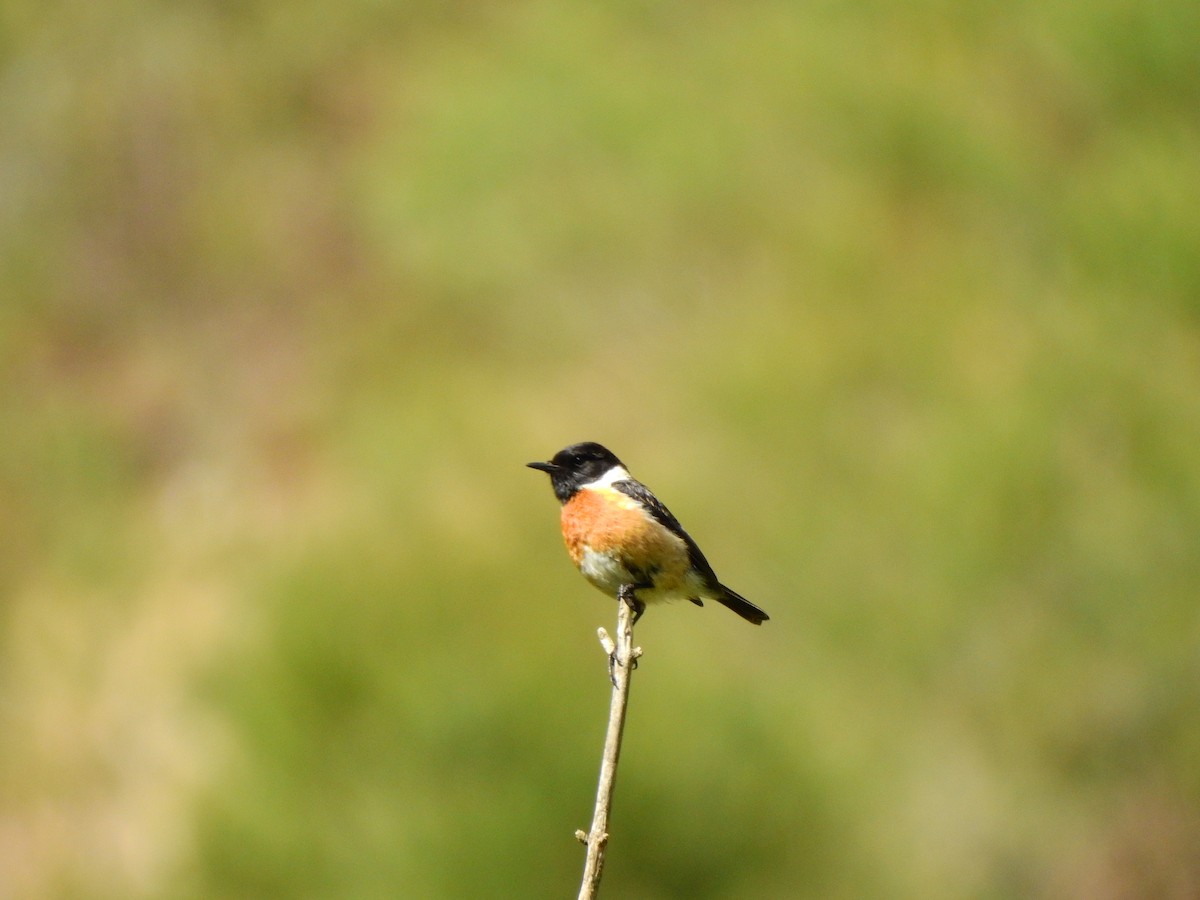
pixel 546 467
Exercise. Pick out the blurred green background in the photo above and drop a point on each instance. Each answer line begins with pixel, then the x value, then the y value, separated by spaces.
pixel 896 305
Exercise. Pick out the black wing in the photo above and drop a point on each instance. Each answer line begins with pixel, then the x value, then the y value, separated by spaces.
pixel 662 515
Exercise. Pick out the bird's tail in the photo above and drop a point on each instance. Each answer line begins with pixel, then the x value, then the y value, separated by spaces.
pixel 741 606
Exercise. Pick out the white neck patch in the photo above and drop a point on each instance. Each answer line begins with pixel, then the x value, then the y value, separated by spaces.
pixel 616 473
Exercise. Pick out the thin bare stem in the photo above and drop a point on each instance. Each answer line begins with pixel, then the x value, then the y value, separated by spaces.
pixel 622 657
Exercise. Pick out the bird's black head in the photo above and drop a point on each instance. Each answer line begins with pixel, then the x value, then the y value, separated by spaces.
pixel 577 465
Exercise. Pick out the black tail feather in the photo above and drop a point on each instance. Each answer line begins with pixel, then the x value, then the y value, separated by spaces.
pixel 741 606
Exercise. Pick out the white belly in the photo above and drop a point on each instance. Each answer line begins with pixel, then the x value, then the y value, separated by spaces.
pixel 606 572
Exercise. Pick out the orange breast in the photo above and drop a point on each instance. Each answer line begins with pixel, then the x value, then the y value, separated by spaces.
pixel 607 521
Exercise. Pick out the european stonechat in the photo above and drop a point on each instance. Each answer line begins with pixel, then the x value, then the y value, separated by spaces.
pixel 619 535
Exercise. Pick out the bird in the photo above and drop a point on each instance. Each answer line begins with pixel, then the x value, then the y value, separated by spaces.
pixel 625 541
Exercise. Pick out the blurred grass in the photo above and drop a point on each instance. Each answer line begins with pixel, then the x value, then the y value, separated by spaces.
pixel 897 307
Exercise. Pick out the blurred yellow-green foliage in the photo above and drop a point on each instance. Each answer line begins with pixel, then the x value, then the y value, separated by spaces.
pixel 897 305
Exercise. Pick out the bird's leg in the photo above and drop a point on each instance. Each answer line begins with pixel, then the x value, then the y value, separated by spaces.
pixel 626 594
